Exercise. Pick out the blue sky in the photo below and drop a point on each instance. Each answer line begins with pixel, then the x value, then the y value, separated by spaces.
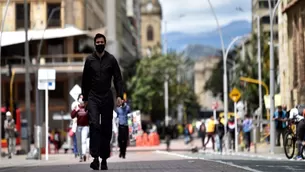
pixel 197 15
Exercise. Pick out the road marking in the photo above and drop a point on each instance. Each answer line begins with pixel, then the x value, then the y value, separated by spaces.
pixel 242 154
pixel 221 162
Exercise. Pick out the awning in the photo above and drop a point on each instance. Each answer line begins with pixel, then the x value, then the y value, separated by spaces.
pixel 17 37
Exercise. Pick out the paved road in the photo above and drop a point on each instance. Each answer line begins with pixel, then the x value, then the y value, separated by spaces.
pixel 254 163
pixel 136 162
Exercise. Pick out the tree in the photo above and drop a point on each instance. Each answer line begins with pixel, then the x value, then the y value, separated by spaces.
pixel 248 67
pixel 215 82
pixel 147 86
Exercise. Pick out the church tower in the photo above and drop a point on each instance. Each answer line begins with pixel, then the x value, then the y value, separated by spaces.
pixel 151 19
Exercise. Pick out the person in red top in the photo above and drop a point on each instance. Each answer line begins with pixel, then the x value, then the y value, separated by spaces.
pixel 82 130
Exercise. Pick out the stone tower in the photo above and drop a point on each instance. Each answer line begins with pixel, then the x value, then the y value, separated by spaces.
pixel 151 19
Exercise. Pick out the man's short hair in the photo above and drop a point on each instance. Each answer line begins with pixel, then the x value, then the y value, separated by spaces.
pixel 99 35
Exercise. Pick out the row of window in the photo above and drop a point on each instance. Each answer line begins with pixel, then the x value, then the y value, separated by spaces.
pixel 55 20
pixel 58 93
pixel 265 3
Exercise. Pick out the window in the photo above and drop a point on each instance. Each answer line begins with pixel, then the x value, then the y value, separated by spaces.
pixel 20 16
pixel 263 4
pixel 150 33
pixel 55 18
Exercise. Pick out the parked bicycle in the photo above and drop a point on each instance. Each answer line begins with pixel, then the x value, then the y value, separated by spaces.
pixel 290 139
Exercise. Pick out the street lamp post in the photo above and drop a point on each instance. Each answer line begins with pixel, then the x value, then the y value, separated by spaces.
pixel 226 117
pixel 166 75
pixel 259 63
pixel 225 78
pixel 2 27
pixel 272 79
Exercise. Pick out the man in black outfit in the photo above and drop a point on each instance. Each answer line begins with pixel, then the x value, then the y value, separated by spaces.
pixel 99 69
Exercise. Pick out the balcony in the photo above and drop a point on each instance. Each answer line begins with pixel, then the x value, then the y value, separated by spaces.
pixel 61 63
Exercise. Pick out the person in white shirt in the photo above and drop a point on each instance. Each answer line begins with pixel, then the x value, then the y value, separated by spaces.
pixel 296 116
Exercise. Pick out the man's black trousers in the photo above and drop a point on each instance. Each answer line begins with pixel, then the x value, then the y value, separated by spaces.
pixel 100 110
pixel 123 138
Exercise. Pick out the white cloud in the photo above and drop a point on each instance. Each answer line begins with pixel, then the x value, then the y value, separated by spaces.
pixel 198 16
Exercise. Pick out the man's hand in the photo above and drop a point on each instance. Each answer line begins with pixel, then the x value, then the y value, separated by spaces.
pixel 119 101
pixel 85 104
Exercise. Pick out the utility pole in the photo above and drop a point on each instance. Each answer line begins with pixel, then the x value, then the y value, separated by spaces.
pixel 272 14
pixel 260 80
pixel 27 77
pixel 2 27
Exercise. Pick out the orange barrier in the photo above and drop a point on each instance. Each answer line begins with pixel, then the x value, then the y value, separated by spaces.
pixel 152 139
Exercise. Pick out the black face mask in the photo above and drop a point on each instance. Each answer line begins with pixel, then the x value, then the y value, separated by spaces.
pixel 100 48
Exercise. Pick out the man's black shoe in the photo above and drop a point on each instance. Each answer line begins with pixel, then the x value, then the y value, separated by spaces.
pixel 95 164
pixel 104 165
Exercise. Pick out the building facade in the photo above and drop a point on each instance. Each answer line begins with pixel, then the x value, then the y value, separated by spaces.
pixel 203 69
pixel 134 15
pixel 292 52
pixel 119 31
pixel 151 20
pixel 64 26
pixel 261 8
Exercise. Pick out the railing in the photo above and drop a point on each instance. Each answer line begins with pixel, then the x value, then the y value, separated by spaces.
pixel 48 60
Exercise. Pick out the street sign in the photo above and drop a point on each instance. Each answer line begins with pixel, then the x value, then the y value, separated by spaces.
pixel 46 79
pixel 75 91
pixel 215 106
pixel 235 94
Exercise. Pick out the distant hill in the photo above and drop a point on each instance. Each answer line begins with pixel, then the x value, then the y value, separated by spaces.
pixel 179 41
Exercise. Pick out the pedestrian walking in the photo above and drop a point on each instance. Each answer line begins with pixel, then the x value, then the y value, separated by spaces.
pixel 10 133
pixel 247 127
pixel 82 130
pixel 122 117
pixel 211 131
pixel 280 119
pixel 99 69
pixel 220 130
pixel 202 131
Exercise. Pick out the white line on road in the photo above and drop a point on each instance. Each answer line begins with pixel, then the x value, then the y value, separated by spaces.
pixel 221 162
pixel 242 154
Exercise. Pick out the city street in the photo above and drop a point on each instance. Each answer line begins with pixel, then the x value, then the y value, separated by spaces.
pixel 136 161
pixel 252 162
pixel 156 159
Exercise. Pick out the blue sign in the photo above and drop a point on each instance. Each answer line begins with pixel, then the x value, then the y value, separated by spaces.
pixel 50 83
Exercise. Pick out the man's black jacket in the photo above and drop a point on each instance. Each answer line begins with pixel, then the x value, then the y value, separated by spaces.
pixel 97 76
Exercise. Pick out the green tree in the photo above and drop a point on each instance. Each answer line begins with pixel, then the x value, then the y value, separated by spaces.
pixel 147 86
pixel 248 67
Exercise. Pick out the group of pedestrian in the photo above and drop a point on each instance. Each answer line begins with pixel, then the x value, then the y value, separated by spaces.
pixel 214 131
